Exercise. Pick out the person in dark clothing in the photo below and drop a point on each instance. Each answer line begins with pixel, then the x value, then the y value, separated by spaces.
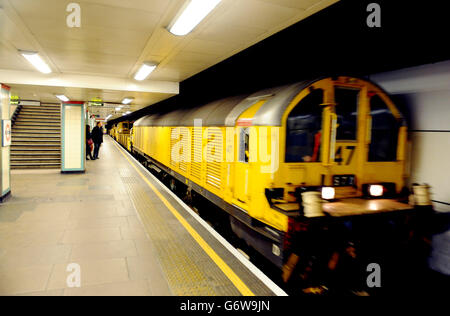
pixel 89 143
pixel 97 137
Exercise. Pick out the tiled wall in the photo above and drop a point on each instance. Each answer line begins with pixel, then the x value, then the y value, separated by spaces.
pixel 423 94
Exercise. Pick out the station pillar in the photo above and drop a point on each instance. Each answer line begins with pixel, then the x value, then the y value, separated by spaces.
pixel 5 167
pixel 73 130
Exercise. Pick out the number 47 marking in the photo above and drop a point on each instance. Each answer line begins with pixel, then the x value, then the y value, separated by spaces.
pixel 339 156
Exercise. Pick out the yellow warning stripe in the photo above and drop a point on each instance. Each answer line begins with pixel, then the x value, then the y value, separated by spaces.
pixel 202 243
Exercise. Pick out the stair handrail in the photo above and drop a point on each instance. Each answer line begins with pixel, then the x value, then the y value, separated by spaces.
pixel 15 114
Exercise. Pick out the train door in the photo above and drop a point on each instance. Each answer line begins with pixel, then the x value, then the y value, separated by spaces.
pixel 346 149
pixel 242 170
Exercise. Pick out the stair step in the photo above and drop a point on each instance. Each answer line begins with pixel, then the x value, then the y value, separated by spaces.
pixel 40 151
pixel 37 120
pixel 36 132
pixel 31 148
pixel 36 165
pixel 36 159
pixel 43 124
pixel 36 147
pixel 37 143
pixel 40 112
pixel 36 129
pixel 41 107
pixel 39 116
pixel 34 139
pixel 36 135
pixel 21 153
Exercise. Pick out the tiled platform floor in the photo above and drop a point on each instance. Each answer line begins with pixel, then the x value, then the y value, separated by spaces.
pixel 52 220
pixel 128 235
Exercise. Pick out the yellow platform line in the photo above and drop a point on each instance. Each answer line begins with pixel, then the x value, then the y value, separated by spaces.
pixel 238 283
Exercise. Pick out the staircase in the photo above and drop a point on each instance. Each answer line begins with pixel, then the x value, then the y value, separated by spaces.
pixel 36 138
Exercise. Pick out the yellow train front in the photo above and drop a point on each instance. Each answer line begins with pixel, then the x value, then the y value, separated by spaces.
pixel 315 169
pixel 122 134
pixel 112 131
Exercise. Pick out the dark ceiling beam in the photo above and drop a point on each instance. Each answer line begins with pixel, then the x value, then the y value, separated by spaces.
pixel 335 40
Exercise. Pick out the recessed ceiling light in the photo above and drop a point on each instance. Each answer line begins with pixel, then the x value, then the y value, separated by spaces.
pixel 36 60
pixel 145 71
pixel 127 100
pixel 192 14
pixel 62 97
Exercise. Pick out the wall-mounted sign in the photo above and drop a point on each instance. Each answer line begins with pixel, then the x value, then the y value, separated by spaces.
pixel 6 133
pixel 96 102
pixel 14 100
pixel 93 104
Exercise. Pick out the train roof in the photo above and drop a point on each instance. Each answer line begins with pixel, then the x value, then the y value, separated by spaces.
pixel 225 112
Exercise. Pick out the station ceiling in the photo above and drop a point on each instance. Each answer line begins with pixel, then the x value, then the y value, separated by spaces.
pixel 99 59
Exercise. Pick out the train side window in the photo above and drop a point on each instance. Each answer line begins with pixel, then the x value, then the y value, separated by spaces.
pixel 244 142
pixel 347 112
pixel 384 133
pixel 303 130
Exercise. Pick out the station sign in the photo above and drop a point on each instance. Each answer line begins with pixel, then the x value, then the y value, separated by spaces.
pixel 6 133
pixel 96 102
pixel 14 100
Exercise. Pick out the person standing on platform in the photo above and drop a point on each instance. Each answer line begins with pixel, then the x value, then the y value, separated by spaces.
pixel 97 137
pixel 89 143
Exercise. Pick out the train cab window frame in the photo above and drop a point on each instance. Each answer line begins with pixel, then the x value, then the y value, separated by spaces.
pixel 346 109
pixel 244 144
pixel 304 129
pixel 384 130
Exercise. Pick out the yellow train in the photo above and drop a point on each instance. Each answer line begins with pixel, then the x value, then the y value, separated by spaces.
pixel 121 133
pixel 112 131
pixel 289 164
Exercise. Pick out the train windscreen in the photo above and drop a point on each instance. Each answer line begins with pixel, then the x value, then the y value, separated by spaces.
pixel 384 131
pixel 347 113
pixel 303 130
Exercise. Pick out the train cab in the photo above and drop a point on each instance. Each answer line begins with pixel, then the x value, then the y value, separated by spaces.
pixel 317 156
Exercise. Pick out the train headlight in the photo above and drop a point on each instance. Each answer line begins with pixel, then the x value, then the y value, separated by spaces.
pixel 376 190
pixel 328 193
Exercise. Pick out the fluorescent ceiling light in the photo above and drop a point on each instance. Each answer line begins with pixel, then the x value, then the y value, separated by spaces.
pixel 128 112
pixel 144 71
pixel 192 15
pixel 36 61
pixel 127 100
pixel 62 97
pixel 107 118
pixel 118 109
